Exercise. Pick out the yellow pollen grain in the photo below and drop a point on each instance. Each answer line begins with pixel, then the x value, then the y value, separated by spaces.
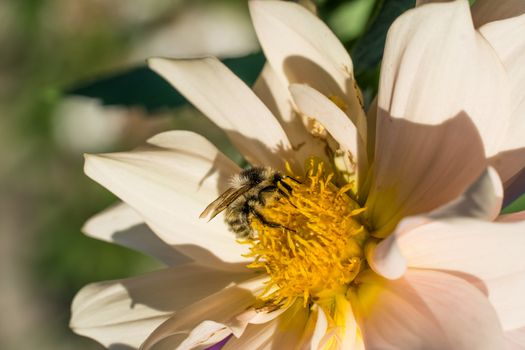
pixel 317 243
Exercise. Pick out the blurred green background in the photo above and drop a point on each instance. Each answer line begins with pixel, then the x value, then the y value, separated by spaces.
pixel 69 84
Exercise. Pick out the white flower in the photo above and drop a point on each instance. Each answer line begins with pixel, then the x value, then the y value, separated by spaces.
pixel 428 264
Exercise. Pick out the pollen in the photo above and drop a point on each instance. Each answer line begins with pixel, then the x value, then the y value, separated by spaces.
pixel 310 240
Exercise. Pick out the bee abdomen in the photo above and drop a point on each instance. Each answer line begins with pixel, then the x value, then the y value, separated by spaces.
pixel 238 223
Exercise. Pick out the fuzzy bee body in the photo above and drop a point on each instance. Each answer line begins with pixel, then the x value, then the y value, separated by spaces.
pixel 250 191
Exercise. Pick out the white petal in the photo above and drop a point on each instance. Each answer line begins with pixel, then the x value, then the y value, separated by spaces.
pixel 321 325
pixel 491 253
pixel 122 225
pixel 275 95
pixel 170 187
pixel 302 49
pixel 127 311
pixel 200 323
pixel 515 339
pixel 428 310
pixel 507 39
pixel 482 200
pixel 519 216
pixel 313 104
pixel 485 11
pixel 230 104
pixel 256 337
pixel 295 328
pixel 433 105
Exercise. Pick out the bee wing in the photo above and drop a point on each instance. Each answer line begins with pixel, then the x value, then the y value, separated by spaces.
pixel 223 201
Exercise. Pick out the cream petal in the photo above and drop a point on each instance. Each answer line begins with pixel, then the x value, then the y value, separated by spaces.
pixel 321 326
pixel 302 49
pixel 507 39
pixel 209 320
pixel 341 332
pixel 489 255
pixel 482 200
pixel 519 216
pixel 275 95
pixel 295 328
pixel 485 11
pixel 429 108
pixel 170 187
pixel 428 310
pixel 256 337
pixel 127 311
pixel 230 104
pixel 313 104
pixel 515 339
pixel 122 225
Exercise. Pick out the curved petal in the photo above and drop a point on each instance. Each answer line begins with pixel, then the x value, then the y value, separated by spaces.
pixel 427 310
pixel 515 339
pixel 290 330
pixel 230 104
pixel 433 101
pixel 482 200
pixel 313 104
pixel 127 311
pixel 507 39
pixel 295 328
pixel 489 255
pixel 519 216
pixel 256 337
pixel 209 320
pixel 170 186
pixel 122 225
pixel 302 49
pixel 275 95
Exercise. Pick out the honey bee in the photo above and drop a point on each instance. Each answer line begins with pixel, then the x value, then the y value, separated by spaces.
pixel 250 191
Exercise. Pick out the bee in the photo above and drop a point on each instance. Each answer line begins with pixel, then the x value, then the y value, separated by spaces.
pixel 250 191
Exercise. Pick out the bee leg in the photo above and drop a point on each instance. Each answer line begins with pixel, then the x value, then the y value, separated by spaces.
pixel 265 190
pixel 263 220
pixel 293 179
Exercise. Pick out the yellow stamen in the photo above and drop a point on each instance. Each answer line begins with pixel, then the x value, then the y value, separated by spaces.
pixel 315 242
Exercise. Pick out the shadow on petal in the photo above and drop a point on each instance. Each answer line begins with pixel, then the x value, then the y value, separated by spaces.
pixel 419 167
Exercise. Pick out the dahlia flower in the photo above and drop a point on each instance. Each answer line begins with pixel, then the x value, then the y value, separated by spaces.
pixel 388 234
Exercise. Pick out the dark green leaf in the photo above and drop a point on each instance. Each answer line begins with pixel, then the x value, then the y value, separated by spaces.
pixel 517 205
pixel 368 51
pixel 142 87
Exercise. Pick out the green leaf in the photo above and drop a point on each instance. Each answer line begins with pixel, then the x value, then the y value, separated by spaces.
pixel 515 206
pixel 349 20
pixel 368 51
pixel 142 87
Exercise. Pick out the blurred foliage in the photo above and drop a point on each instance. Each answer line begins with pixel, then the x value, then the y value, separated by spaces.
pixel 360 24
pixel 516 206
pixel 140 86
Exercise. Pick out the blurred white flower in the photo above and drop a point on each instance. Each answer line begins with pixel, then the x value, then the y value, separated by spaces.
pixel 82 124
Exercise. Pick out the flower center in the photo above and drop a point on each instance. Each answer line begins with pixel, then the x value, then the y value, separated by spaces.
pixel 311 240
